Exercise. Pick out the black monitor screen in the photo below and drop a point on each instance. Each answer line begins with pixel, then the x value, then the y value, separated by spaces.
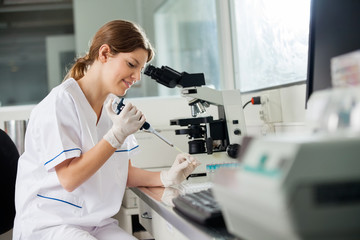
pixel 334 30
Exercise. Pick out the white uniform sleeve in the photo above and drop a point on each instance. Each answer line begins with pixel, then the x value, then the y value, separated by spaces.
pixel 59 131
pixel 130 147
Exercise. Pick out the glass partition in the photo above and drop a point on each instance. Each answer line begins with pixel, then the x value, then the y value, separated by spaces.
pixel 186 39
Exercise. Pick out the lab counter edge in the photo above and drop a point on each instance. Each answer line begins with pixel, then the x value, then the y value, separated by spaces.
pixel 189 229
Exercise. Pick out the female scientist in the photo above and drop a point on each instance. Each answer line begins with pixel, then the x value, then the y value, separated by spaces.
pixel 72 176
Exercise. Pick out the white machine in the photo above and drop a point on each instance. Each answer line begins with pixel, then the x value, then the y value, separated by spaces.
pixel 291 188
pixel 230 126
pixel 213 139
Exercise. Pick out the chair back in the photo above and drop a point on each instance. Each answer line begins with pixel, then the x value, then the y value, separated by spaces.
pixel 9 156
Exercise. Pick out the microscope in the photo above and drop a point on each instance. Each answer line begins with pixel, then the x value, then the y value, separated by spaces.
pixel 206 134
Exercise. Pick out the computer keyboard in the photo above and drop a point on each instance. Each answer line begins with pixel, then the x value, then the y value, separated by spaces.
pixel 199 206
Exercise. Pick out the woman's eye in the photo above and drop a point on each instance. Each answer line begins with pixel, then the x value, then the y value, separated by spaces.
pixel 131 65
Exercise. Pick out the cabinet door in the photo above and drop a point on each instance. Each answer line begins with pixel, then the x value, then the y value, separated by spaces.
pixel 156 225
pixel 145 216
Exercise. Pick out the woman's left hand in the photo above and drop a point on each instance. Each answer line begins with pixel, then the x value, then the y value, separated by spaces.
pixel 183 165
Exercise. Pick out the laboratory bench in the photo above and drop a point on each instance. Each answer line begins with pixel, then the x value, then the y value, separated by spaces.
pixel 157 216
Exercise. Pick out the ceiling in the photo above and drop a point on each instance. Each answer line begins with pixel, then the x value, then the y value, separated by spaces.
pixel 25 24
pixel 17 2
pixel 32 15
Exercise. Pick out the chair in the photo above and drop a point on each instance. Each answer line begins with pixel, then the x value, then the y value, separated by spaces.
pixel 9 156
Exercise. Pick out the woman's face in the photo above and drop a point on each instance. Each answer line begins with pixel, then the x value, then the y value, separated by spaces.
pixel 122 70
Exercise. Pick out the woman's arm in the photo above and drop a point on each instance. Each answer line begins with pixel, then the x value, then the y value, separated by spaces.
pixel 139 177
pixel 75 171
pixel 183 165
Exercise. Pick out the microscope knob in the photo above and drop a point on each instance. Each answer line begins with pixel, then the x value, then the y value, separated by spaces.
pixel 233 150
pixel 209 145
pixel 237 131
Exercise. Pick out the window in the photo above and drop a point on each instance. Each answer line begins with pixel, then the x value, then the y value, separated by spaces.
pixel 271 42
pixel 186 39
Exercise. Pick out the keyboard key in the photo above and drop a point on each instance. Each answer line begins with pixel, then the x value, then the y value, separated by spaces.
pixel 200 207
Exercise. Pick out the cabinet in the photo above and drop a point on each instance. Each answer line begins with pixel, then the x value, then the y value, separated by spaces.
pixel 156 225
pixel 158 217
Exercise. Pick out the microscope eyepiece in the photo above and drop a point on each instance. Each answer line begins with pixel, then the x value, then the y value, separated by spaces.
pixel 149 70
pixel 164 75
pixel 171 78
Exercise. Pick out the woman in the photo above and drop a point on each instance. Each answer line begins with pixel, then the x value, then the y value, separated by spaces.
pixel 73 173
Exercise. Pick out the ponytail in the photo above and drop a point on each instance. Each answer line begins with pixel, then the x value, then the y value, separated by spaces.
pixel 79 68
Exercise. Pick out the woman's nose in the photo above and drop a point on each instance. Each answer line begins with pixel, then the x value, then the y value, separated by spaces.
pixel 136 75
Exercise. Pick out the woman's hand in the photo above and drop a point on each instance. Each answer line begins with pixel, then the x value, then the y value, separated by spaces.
pixel 127 122
pixel 183 165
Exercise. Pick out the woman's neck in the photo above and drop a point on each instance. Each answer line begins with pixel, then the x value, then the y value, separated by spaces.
pixel 93 91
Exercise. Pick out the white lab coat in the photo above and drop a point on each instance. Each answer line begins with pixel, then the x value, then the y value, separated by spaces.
pixel 63 126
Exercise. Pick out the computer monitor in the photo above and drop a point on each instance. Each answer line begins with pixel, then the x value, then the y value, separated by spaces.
pixel 334 30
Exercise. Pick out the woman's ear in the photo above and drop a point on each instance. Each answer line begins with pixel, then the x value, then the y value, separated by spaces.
pixel 104 53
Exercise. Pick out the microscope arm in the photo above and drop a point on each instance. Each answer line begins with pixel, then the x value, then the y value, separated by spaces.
pixel 204 93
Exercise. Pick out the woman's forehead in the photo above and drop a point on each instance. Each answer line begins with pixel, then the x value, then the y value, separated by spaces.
pixel 139 55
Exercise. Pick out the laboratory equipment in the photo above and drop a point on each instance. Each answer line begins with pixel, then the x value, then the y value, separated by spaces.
pixel 200 207
pixel 16 130
pixel 208 135
pixel 291 188
pixel 345 70
pixel 334 110
pixel 172 78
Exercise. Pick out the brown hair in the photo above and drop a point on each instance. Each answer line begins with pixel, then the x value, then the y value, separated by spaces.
pixel 121 36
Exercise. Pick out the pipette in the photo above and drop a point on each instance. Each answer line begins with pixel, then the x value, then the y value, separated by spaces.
pixel 119 105
pixel 150 129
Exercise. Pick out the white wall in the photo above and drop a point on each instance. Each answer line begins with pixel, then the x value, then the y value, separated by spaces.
pixel 14 113
pixel 90 15
pixel 293 111
pixel 55 45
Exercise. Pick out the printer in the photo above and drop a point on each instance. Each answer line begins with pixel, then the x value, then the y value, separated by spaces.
pixel 291 188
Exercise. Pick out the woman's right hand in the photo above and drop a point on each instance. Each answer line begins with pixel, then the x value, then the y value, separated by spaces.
pixel 127 122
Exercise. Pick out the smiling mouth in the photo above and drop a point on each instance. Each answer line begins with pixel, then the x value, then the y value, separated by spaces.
pixel 128 84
